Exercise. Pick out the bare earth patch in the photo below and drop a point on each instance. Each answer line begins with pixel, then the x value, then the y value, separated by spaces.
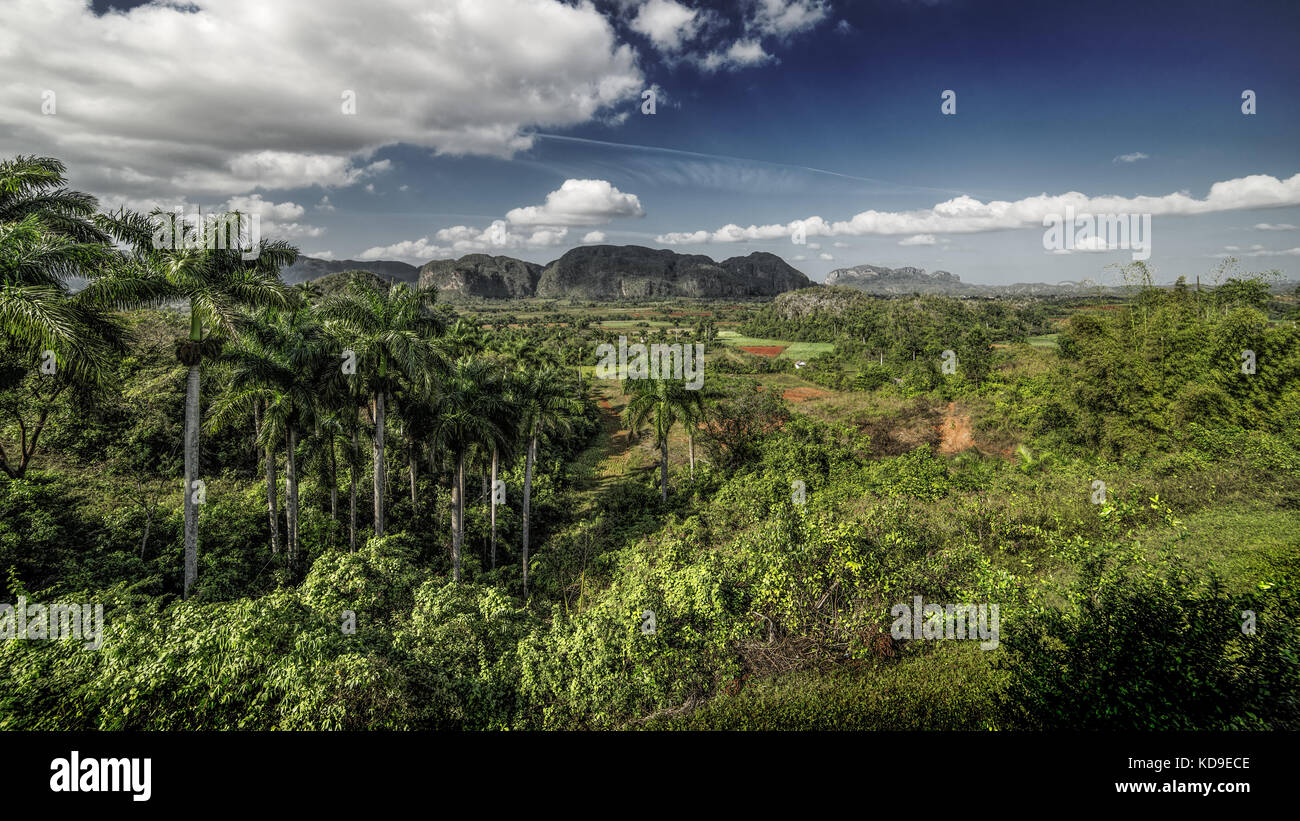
pixel 771 351
pixel 955 431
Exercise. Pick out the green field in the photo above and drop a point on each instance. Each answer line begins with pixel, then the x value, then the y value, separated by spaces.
pixel 793 350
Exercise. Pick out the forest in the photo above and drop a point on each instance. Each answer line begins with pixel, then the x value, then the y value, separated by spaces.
pixel 347 505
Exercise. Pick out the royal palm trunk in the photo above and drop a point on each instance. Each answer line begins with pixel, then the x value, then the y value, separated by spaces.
pixel 492 490
pixel 334 487
pixel 457 516
pixel 352 493
pixel 191 475
pixel 273 515
pixel 379 463
pixel 291 495
pixel 528 492
pixel 663 470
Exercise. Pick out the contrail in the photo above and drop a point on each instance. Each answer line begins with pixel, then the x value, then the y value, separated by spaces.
pixel 678 151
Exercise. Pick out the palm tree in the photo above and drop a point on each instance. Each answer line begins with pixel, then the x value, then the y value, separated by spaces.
pixel 694 405
pixel 49 236
pixel 284 363
pixel 417 412
pixel 38 314
pixel 34 186
pixel 546 402
pixel 203 266
pixel 469 410
pixel 386 328
pixel 248 389
pixel 508 420
pixel 661 403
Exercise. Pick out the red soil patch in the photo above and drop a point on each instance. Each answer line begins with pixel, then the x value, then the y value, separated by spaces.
pixel 803 394
pixel 771 351
pixel 955 431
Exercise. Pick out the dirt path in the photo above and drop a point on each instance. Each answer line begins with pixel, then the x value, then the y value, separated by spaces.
pixel 607 460
pixel 955 431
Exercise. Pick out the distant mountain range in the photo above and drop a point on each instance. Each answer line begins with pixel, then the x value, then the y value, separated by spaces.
pixel 614 272
pixel 875 279
pixel 589 272
pixel 309 268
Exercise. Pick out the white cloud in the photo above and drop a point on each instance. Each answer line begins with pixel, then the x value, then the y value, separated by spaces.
pixel 324 204
pixel 781 18
pixel 741 54
pixel 594 237
pixel 277 220
pixel 967 215
pixel 667 23
pixel 464 239
pixel 1130 158
pixel 918 239
pixel 579 202
pixel 826 257
pixel 168 101
pixel 319 254
pixel 1264 226
pixel 420 250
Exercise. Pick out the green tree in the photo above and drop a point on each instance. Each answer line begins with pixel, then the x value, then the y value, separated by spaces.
pixel 546 402
pixel 468 415
pixel 390 330
pixel 661 404
pixel 201 262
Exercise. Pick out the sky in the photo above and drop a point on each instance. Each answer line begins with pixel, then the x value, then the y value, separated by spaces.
pixel 429 129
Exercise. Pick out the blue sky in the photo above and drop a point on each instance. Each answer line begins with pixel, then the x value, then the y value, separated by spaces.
pixel 768 112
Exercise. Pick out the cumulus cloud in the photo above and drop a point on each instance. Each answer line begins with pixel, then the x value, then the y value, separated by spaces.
pixel 579 202
pixel 1130 158
pixel 172 99
pixel 278 220
pixel 741 54
pixel 594 236
pixel 782 18
pixel 1264 226
pixel 667 23
pixel 457 240
pixel 826 257
pixel 967 215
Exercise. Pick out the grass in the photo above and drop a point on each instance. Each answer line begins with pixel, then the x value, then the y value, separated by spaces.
pixel 1044 340
pixel 1213 538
